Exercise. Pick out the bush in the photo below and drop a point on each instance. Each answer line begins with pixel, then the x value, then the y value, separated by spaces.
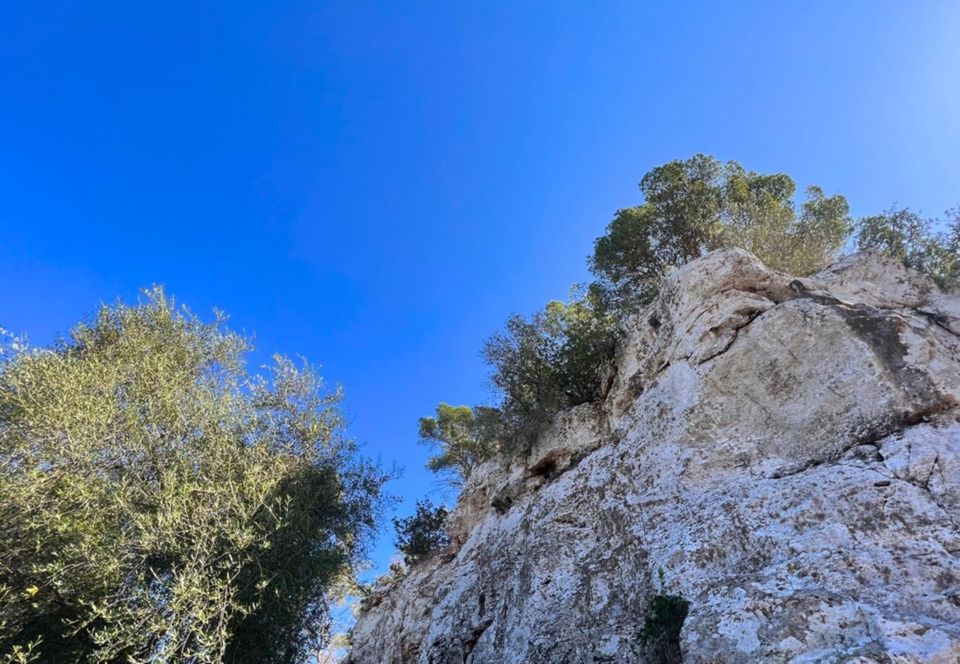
pixel 422 534
pixel 905 236
pixel 695 206
pixel 663 620
pixel 661 627
pixel 158 503
pixel 550 362
pixel 464 437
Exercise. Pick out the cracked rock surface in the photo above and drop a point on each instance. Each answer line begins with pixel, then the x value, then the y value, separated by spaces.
pixel 786 450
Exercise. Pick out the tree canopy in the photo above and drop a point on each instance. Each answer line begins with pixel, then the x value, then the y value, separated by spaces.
pixel 463 438
pixel 422 534
pixel 159 503
pixel 695 206
pixel 904 235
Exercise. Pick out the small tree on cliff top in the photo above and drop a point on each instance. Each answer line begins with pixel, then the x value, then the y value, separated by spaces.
pixel 422 534
pixel 909 238
pixel 463 438
pixel 698 205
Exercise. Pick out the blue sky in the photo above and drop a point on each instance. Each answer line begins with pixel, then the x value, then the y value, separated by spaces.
pixel 377 186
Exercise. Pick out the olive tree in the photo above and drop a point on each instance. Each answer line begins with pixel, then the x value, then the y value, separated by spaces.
pixel 160 503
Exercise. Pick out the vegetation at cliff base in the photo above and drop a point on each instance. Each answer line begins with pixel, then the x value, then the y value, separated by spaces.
pixel 160 503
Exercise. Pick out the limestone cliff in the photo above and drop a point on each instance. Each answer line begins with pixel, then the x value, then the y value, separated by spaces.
pixel 786 450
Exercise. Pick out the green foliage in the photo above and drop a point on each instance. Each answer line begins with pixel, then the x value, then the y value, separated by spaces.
pixel 905 236
pixel 158 503
pixel 550 362
pixel 463 437
pixel 696 206
pixel 12 609
pixel 422 534
pixel 663 620
pixel 661 626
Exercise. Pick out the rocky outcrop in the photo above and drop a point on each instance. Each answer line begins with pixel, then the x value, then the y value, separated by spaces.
pixel 783 452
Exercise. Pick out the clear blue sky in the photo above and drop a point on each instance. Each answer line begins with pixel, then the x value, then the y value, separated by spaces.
pixel 376 186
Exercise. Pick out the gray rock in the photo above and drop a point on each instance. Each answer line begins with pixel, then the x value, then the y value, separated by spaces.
pixel 786 451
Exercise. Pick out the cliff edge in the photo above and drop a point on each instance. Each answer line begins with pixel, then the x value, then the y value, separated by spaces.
pixel 781 453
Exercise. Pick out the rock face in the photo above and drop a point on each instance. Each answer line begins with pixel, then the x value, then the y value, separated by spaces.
pixel 784 453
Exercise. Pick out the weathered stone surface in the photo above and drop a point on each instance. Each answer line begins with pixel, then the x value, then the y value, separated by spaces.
pixel 872 277
pixel 494 484
pixel 786 450
pixel 572 435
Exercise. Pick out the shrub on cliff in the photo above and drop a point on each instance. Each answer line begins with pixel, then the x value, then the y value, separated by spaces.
pixel 422 534
pixel 158 503
pixel 550 362
pixel 462 437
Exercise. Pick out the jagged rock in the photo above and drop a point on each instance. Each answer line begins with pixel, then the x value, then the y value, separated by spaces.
pixel 786 451
pixel 573 434
pixel 871 276
pixel 494 484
